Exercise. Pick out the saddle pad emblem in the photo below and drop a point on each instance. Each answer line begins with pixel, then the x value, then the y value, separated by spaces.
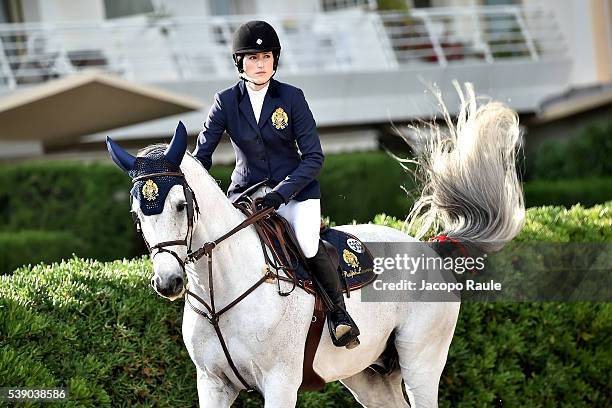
pixel 280 120
pixel 150 191
pixel 355 245
pixel 350 258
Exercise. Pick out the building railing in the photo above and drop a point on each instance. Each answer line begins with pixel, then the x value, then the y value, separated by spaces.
pixel 175 49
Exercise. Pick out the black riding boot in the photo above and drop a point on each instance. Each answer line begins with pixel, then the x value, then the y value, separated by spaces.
pixel 344 327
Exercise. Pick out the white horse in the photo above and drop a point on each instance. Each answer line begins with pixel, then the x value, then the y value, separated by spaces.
pixel 472 190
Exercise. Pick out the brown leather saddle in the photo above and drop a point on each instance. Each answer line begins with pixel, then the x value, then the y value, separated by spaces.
pixel 283 253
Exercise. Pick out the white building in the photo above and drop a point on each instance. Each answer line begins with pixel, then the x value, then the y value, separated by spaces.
pixel 360 67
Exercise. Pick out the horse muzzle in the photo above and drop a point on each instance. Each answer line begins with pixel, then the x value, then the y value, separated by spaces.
pixel 171 287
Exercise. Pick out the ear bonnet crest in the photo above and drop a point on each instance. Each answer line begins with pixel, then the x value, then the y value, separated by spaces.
pixel 151 192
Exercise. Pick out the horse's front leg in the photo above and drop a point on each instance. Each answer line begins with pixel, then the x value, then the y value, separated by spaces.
pixel 281 390
pixel 214 392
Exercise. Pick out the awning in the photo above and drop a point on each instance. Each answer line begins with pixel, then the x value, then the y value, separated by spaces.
pixel 574 101
pixel 83 104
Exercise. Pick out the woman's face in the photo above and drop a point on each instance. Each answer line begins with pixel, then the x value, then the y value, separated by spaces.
pixel 259 67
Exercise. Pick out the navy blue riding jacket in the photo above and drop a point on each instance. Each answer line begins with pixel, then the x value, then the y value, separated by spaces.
pixel 268 149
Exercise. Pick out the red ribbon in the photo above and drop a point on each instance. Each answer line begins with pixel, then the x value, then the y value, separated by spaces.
pixel 444 238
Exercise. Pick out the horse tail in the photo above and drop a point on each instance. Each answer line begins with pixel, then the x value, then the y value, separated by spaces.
pixel 471 190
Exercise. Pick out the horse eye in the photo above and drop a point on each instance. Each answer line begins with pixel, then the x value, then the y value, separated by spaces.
pixel 181 207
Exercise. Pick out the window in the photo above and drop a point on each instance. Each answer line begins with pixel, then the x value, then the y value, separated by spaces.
pixel 122 8
pixel 421 3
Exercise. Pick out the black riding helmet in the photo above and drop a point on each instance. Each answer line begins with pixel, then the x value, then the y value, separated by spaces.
pixel 253 37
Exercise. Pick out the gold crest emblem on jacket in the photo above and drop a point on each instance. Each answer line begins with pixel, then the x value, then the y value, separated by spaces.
pixel 280 120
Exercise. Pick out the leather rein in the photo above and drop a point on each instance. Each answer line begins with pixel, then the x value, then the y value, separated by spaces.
pixel 211 314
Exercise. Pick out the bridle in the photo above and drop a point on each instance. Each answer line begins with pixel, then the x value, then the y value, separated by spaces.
pixel 211 314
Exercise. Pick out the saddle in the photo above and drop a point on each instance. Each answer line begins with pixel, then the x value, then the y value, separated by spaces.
pixel 283 253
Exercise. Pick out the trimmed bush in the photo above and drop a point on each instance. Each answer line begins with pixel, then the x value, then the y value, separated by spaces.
pixel 91 201
pixel 97 329
pixel 88 200
pixel 587 192
pixel 100 330
pixel 31 247
pixel 586 155
pixel 358 186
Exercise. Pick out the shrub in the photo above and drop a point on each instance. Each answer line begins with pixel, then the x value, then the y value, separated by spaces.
pixel 91 201
pixel 356 186
pixel 360 185
pixel 88 200
pixel 587 192
pixel 98 329
pixel 31 247
pixel 587 155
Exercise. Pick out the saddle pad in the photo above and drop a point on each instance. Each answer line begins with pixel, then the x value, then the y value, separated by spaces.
pixel 356 262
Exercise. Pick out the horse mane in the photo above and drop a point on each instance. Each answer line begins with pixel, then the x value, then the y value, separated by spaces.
pixel 155 149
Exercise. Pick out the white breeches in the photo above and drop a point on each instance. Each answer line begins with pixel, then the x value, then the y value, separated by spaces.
pixel 305 219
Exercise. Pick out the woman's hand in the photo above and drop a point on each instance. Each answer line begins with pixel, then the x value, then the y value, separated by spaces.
pixel 272 200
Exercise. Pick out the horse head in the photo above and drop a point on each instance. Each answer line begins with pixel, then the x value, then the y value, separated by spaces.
pixel 162 207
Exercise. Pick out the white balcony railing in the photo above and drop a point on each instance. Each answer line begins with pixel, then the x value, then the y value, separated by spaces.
pixel 175 49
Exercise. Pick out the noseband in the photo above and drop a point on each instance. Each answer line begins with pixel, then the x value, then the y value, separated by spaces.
pixel 205 250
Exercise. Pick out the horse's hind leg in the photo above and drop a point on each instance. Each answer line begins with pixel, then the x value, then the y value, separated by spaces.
pixel 422 346
pixel 373 390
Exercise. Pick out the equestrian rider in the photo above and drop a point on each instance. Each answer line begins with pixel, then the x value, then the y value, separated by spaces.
pixel 267 122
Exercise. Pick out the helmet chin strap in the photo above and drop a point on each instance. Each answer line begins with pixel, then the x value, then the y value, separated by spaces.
pixel 244 78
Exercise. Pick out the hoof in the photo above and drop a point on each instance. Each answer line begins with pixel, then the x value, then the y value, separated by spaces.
pixel 353 343
pixel 342 330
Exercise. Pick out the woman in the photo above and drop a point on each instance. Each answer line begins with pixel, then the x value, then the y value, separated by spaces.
pixel 267 121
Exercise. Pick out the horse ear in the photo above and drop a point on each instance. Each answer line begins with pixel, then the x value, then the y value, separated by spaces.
pixel 175 152
pixel 123 159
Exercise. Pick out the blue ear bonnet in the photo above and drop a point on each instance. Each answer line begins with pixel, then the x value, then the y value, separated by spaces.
pixel 151 193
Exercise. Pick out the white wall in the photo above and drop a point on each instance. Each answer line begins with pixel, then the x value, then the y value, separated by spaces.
pixel 575 20
pixel 264 7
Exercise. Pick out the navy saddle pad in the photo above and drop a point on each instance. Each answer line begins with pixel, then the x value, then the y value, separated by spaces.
pixel 356 264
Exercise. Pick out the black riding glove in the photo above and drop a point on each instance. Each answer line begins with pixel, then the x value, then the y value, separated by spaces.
pixel 272 200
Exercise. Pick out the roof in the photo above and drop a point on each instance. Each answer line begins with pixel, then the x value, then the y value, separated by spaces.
pixel 575 101
pixel 83 104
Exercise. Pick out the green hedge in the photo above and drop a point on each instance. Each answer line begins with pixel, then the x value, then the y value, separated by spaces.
pixel 356 186
pixel 91 200
pixel 587 192
pixel 31 247
pixel 586 155
pixel 88 200
pixel 98 329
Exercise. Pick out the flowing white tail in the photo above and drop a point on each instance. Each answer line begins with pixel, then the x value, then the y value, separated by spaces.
pixel 471 190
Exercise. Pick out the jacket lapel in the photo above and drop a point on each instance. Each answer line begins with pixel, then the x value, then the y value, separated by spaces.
pixel 245 107
pixel 270 103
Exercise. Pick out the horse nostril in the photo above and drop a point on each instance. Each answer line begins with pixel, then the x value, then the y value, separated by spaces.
pixel 155 282
pixel 178 283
